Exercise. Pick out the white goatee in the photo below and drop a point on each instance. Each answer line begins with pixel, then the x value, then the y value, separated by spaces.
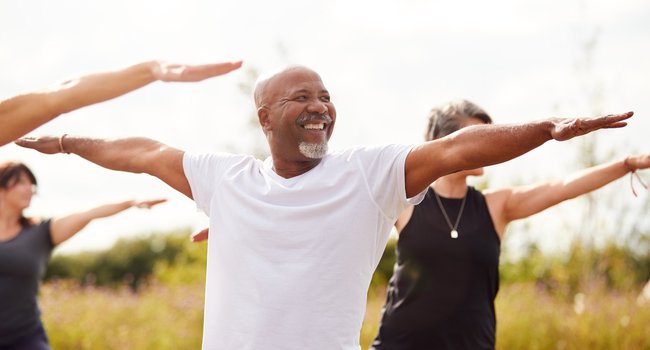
pixel 313 150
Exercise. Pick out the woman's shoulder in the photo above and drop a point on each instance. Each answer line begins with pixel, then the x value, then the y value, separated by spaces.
pixel 36 223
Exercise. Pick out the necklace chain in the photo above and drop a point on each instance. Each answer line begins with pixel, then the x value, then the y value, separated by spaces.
pixel 454 232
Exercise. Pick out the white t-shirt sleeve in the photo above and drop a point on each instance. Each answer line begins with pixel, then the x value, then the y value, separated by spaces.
pixel 204 173
pixel 384 171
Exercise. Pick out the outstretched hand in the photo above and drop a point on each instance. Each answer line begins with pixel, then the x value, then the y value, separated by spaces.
pixel 565 129
pixel 45 144
pixel 200 236
pixel 148 204
pixel 165 71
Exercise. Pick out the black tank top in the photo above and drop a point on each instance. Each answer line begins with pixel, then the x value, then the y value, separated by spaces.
pixel 441 294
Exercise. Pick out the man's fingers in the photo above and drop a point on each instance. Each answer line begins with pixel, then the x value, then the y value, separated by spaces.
pixel 614 118
pixel 570 128
pixel 628 114
pixel 611 121
pixel 615 125
pixel 200 236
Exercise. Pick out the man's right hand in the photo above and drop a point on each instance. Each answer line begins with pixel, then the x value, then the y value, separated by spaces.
pixel 200 236
pixel 568 128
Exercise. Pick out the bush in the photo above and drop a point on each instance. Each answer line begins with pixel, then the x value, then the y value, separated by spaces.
pixel 614 267
pixel 130 262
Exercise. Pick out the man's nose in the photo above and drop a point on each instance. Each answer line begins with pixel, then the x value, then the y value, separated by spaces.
pixel 317 106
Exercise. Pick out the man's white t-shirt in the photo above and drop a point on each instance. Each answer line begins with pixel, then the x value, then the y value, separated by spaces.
pixel 290 260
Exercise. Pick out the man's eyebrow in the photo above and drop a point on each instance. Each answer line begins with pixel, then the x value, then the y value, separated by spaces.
pixel 307 91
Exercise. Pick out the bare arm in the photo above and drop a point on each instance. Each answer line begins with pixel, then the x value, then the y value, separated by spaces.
pixel 509 204
pixel 63 228
pixel 477 146
pixel 134 155
pixel 23 113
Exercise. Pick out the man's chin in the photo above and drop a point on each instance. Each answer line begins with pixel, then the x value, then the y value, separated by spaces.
pixel 313 150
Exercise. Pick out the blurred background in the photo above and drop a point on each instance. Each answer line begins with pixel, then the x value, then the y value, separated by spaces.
pixel 571 276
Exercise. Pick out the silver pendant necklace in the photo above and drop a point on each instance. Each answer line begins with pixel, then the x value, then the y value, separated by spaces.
pixel 454 231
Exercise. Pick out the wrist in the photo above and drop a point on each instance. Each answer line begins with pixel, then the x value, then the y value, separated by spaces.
pixel 153 70
pixel 549 126
pixel 630 164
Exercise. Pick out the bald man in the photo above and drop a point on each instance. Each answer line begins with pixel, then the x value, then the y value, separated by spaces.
pixel 296 238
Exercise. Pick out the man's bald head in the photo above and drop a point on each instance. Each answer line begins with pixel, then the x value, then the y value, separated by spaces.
pixel 268 85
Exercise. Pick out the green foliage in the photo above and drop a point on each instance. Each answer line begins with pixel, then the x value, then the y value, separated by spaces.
pixel 615 267
pixel 187 268
pixel 128 262
pixel 385 268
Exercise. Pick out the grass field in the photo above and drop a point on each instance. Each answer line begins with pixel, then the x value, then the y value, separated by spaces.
pixel 163 317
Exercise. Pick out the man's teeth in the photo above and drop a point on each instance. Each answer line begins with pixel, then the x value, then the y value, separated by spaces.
pixel 319 126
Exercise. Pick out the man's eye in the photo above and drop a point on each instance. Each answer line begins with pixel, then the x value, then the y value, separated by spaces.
pixel 301 98
pixel 325 98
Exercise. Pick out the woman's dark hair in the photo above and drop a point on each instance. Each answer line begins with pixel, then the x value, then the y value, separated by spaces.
pixel 10 173
pixel 448 118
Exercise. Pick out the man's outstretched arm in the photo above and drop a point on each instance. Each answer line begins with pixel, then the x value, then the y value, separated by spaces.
pixel 23 113
pixel 134 155
pixel 483 145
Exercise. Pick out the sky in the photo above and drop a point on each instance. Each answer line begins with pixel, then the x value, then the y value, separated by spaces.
pixel 385 63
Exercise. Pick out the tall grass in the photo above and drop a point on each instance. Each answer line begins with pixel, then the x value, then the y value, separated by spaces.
pixel 157 317
pixel 529 317
pixel 532 318
pixel 163 317
pixel 583 300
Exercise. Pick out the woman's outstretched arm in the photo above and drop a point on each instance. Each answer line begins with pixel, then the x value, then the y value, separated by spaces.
pixel 64 227
pixel 512 203
pixel 25 112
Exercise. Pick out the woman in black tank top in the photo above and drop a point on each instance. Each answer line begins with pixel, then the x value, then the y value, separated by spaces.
pixel 445 280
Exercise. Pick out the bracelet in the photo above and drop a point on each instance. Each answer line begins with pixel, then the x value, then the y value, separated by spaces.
pixel 632 175
pixel 626 163
pixel 61 150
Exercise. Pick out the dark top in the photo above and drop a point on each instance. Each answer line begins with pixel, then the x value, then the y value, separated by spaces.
pixel 23 260
pixel 441 294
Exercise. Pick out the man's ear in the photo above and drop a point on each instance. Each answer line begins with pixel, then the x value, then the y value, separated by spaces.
pixel 263 117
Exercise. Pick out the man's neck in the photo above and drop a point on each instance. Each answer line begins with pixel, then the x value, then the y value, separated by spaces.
pixel 288 169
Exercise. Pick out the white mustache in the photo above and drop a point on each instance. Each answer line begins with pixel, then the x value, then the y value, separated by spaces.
pixel 314 116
